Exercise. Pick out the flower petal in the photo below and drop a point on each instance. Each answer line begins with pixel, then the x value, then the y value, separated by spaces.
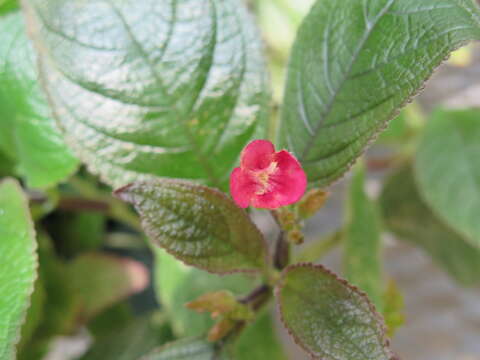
pixel 242 187
pixel 290 180
pixel 257 155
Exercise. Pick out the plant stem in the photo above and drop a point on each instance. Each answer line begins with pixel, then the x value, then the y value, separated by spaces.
pixel 318 249
pixel 258 297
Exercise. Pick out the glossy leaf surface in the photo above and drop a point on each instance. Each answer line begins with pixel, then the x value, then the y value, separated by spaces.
pixel 354 64
pixel 169 88
pixel 199 225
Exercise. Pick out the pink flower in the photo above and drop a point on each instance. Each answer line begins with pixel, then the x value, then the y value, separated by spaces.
pixel 267 179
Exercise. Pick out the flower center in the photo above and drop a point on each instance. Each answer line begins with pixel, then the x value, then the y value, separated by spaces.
pixel 263 177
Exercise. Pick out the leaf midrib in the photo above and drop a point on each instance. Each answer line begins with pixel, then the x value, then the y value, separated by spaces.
pixel 346 75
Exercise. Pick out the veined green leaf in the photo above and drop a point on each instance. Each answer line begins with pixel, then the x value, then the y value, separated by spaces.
pixel 330 318
pixel 407 216
pixel 447 169
pixel 354 64
pixel 362 255
pixel 188 349
pixel 29 136
pixel 199 225
pixel 18 265
pixel 172 88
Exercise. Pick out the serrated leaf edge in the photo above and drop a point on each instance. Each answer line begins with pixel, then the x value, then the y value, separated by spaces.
pixel 280 285
pixel 122 194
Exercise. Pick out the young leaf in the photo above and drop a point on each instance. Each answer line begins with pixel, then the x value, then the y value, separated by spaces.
pixel 329 318
pixel 362 258
pixel 198 225
pixel 168 88
pixel 447 169
pixel 354 64
pixel 29 135
pixel 407 216
pixel 188 349
pixel 176 284
pixel 18 264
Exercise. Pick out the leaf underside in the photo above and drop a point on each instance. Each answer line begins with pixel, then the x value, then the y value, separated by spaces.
pixel 171 88
pixel 354 65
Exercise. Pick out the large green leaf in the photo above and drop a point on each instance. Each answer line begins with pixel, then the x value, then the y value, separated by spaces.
pixel 188 349
pixel 409 217
pixel 447 168
pixel 29 136
pixel 199 225
pixel 354 64
pixel 171 88
pixel 18 265
pixel 177 284
pixel 362 258
pixel 328 317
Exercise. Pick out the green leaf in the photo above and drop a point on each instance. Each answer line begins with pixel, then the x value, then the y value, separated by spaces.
pixel 29 135
pixel 177 87
pixel 329 318
pixel 259 341
pixel 7 6
pixel 176 284
pixel 354 64
pixel 199 225
pixel 408 217
pixel 100 280
pixel 188 349
pixel 447 169
pixel 18 265
pixel 394 306
pixel 127 343
pixel 362 255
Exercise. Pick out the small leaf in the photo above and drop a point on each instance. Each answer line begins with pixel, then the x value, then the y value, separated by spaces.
pixel 177 284
pixel 362 240
pixel 408 217
pixel 221 303
pixel 18 265
pixel 164 88
pixel 198 225
pixel 29 135
pixel 354 64
pixel 329 318
pixel 99 281
pixel 189 349
pixel 447 169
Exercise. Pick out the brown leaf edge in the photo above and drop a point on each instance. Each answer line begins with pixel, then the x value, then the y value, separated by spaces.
pixel 380 320
pixel 123 194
